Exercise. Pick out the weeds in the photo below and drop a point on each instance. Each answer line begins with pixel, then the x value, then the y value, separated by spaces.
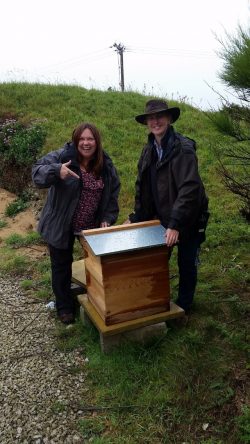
pixel 17 240
pixel 92 427
pixel 15 207
pixel 27 284
pixel 43 294
pixel 17 265
pixel 3 223
pixel 243 422
pixel 58 407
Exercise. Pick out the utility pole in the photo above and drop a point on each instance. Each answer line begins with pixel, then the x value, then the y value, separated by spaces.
pixel 120 49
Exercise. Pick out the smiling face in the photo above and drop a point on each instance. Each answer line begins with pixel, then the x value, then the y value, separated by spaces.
pixel 87 145
pixel 158 124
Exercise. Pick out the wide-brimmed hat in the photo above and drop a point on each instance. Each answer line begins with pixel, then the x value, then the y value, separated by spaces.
pixel 158 106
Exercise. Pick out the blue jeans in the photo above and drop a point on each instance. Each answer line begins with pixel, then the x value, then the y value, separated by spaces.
pixel 188 252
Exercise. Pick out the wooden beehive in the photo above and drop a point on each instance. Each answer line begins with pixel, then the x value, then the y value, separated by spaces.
pixel 127 278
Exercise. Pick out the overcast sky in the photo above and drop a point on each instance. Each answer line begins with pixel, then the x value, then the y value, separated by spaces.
pixel 170 47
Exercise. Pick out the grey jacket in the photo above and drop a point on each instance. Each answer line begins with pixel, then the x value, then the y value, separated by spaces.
pixel 55 224
pixel 170 189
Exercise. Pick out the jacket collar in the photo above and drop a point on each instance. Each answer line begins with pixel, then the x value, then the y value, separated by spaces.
pixel 170 143
pixel 70 153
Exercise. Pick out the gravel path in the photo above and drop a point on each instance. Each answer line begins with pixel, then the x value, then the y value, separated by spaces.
pixel 39 395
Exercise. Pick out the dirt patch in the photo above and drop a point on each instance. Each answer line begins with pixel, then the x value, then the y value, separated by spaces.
pixel 22 224
pixel 34 252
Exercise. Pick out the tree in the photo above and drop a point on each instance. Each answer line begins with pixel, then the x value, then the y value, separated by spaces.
pixel 236 55
pixel 234 119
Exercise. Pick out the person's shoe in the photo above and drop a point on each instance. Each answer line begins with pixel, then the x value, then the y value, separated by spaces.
pixel 66 318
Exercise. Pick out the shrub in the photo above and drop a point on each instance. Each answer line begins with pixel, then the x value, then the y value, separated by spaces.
pixel 20 145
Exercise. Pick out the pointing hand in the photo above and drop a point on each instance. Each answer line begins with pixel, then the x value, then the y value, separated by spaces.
pixel 65 172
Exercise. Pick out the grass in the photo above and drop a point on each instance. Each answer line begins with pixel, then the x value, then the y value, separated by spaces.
pixel 15 207
pixel 16 265
pixel 17 240
pixel 191 385
pixel 27 284
pixel 37 276
pixel 3 223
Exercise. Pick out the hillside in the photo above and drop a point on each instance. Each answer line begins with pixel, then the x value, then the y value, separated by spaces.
pixel 62 108
pixel 191 385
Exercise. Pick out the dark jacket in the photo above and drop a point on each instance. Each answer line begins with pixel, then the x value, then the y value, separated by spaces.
pixel 170 189
pixel 55 224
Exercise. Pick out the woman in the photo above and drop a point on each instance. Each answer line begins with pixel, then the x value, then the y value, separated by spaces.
pixel 83 193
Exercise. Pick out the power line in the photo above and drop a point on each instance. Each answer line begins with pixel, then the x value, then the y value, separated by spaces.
pixel 169 51
pixel 89 57
pixel 98 55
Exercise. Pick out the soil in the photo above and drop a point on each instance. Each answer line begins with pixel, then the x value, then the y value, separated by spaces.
pixel 22 223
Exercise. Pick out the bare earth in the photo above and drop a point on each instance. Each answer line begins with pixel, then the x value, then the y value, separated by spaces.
pixel 22 223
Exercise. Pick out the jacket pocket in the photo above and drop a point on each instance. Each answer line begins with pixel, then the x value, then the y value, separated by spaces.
pixel 202 225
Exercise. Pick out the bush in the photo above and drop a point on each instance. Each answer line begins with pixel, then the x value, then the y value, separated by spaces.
pixel 20 145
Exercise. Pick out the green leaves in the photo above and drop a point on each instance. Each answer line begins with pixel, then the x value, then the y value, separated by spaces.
pixel 20 145
pixel 19 142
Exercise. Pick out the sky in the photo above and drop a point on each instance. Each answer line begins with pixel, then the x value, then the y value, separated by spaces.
pixel 170 47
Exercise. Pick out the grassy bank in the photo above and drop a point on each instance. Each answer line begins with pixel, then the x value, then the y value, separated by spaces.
pixel 191 386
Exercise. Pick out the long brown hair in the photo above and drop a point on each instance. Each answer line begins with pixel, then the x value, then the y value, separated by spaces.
pixel 96 164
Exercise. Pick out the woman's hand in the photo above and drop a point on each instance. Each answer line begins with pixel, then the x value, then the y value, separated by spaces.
pixel 65 172
pixel 171 237
pixel 104 225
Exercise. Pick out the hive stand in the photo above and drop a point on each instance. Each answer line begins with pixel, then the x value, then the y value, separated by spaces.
pixel 78 273
pixel 137 330
pixel 127 281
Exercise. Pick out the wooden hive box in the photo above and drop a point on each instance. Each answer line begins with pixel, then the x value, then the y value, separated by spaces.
pixel 127 273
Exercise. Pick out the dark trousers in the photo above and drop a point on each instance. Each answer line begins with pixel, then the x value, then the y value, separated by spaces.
pixel 61 271
pixel 188 251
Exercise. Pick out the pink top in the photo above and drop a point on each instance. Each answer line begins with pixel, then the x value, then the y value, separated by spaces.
pixel 85 213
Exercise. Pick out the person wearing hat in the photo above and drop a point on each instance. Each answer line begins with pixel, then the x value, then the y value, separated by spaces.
pixel 169 188
pixel 83 193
